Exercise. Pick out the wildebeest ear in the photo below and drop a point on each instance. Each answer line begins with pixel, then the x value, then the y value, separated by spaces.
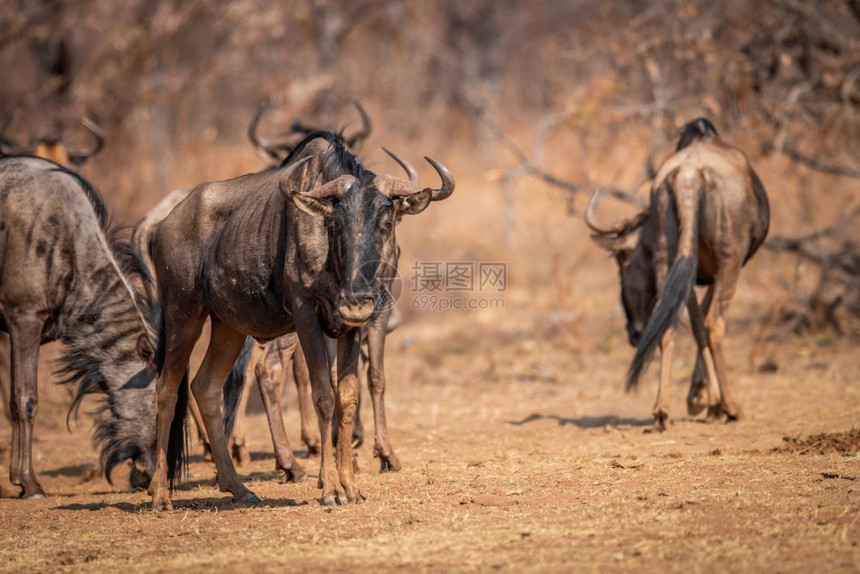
pixel 145 350
pixel 312 206
pixel 415 203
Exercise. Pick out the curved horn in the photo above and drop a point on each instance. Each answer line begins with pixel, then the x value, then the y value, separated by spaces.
pixel 80 157
pixel 269 151
pixel 407 167
pixel 447 178
pixel 391 186
pixel 366 127
pixel 619 228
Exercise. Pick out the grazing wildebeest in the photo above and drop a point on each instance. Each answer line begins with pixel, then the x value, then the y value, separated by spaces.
pixel 298 248
pixel 64 276
pixel 708 215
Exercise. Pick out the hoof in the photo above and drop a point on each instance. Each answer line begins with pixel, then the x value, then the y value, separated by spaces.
pixel 695 406
pixel 248 498
pixel 389 463
pixel 161 504
pixel 732 414
pixel 294 474
pixel 334 499
pixel 660 420
pixel 33 496
pixel 715 412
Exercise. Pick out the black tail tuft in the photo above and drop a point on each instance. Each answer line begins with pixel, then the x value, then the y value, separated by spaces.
pixel 673 295
pixel 177 443
pixel 234 385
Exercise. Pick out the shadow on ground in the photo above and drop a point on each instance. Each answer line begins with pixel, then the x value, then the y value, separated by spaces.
pixel 585 422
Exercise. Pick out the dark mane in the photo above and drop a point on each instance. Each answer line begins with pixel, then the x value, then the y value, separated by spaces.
pixel 93 195
pixel 698 129
pixel 338 151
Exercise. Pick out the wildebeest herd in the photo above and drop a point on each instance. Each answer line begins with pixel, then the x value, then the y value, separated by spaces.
pixel 292 268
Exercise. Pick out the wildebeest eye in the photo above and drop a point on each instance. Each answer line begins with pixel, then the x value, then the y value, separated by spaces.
pixel 386 221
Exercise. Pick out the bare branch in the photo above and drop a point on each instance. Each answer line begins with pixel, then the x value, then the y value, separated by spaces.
pixel 530 166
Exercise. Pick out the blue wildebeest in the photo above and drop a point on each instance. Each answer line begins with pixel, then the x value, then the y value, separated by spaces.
pixel 273 360
pixel 64 276
pixel 298 248
pixel 708 215
pixel 53 148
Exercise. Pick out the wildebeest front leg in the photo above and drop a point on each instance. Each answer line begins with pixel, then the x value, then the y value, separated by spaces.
pixel 25 333
pixel 313 343
pixel 269 372
pixel 376 382
pixel 348 349
pixel 208 388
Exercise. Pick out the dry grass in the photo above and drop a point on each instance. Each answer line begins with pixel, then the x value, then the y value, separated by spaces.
pixel 524 457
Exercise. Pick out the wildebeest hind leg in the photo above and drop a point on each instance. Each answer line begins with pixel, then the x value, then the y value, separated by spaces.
pixel 661 411
pixel 238 447
pixel 703 390
pixel 180 334
pixel 201 429
pixel 24 332
pixel 208 386
pixel 724 287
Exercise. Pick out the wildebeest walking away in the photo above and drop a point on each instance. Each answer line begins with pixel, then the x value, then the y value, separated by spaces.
pixel 296 248
pixel 708 215
pixel 63 276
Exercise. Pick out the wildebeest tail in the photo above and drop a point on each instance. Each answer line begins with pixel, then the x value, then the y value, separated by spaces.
pixel 234 385
pixel 177 441
pixel 689 190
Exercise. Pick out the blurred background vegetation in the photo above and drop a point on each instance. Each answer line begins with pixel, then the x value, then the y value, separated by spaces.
pixel 532 105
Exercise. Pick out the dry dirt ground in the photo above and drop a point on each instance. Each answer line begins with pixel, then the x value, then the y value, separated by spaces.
pixel 520 452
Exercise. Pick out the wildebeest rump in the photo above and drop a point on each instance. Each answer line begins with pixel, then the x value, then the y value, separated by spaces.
pixel 63 276
pixel 708 215
pixel 297 248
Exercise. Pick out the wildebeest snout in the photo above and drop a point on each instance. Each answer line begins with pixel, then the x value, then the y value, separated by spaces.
pixel 356 308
